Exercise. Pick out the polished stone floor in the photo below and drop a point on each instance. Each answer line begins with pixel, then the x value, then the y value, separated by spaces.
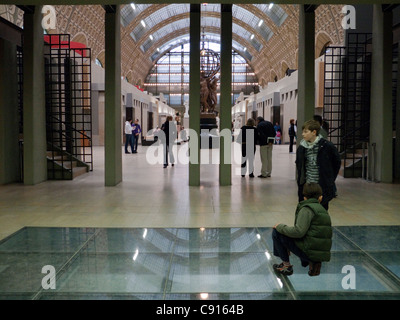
pixel 154 237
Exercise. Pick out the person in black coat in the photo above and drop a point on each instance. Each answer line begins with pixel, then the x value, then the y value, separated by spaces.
pixel 292 135
pixel 317 160
pixel 169 129
pixel 247 138
pixel 266 138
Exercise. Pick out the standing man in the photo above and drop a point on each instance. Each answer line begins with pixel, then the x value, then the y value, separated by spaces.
pixel 168 139
pixel 266 138
pixel 136 133
pixel 128 135
pixel 292 135
pixel 317 161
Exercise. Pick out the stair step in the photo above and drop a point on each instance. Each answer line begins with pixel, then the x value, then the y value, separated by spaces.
pixel 67 168
pixel 77 171
pixel 67 164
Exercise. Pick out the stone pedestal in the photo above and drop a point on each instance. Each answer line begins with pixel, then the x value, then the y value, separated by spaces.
pixel 209 137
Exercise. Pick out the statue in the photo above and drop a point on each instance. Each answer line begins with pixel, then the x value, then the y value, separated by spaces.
pixel 186 104
pixel 210 66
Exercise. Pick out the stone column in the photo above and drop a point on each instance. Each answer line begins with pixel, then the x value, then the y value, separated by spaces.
pixel 113 113
pixel 381 141
pixel 34 113
pixel 194 96
pixel 225 175
pixel 9 147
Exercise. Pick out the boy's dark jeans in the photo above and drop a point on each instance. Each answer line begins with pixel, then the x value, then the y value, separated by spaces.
pixel 283 244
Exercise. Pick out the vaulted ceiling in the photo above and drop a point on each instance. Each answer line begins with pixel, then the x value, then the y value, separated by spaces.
pixel 265 34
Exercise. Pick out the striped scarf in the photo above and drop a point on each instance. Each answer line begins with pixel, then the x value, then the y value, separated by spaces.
pixel 312 174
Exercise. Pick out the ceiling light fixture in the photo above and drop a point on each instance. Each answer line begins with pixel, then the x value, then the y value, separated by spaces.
pixel 151 37
pixel 270 6
pixel 261 22
pixel 143 23
pixel 252 37
pixel 133 6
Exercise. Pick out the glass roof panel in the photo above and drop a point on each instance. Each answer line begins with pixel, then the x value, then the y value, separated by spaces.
pixel 128 12
pixel 209 37
pixel 247 36
pixel 157 17
pixel 252 20
pixel 164 31
pixel 275 12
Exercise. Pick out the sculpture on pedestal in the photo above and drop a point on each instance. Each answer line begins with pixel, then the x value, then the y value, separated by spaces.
pixel 209 67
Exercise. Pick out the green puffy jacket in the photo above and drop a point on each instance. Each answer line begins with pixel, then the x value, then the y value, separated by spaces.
pixel 317 241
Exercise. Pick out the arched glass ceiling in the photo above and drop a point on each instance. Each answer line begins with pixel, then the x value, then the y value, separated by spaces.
pixel 206 22
pixel 158 16
pixel 172 10
pixel 209 37
pixel 162 32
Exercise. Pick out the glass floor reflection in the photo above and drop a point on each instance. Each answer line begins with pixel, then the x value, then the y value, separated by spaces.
pixel 192 264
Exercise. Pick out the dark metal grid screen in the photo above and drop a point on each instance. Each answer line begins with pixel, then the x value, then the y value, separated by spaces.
pixel 333 92
pixel 347 98
pixel 68 107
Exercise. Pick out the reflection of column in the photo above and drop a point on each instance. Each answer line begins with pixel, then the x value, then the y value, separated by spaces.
pixel 225 174
pixel 194 258
pixel 35 163
pixel 224 257
pixel 381 95
pixel 113 115
pixel 194 96
pixel 306 86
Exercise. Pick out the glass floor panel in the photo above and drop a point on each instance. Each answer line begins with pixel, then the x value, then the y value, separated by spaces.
pixel 191 264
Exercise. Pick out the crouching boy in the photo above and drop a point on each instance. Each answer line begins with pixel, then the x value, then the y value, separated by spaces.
pixel 310 238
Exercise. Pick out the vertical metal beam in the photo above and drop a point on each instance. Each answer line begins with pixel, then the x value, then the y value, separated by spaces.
pixel 194 96
pixel 397 147
pixel 225 172
pixel 113 113
pixel 306 76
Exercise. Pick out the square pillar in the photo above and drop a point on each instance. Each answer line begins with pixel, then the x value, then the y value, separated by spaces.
pixel 9 143
pixel 34 113
pixel 306 75
pixel 194 96
pixel 380 150
pixel 225 172
pixel 113 113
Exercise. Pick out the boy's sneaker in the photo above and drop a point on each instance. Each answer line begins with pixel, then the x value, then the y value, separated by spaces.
pixel 282 269
pixel 314 269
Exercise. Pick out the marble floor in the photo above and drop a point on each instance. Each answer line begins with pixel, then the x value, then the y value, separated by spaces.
pixel 207 239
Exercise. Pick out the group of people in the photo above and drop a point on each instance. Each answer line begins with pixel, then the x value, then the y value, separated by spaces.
pixel 317 166
pixel 132 134
pixel 262 133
